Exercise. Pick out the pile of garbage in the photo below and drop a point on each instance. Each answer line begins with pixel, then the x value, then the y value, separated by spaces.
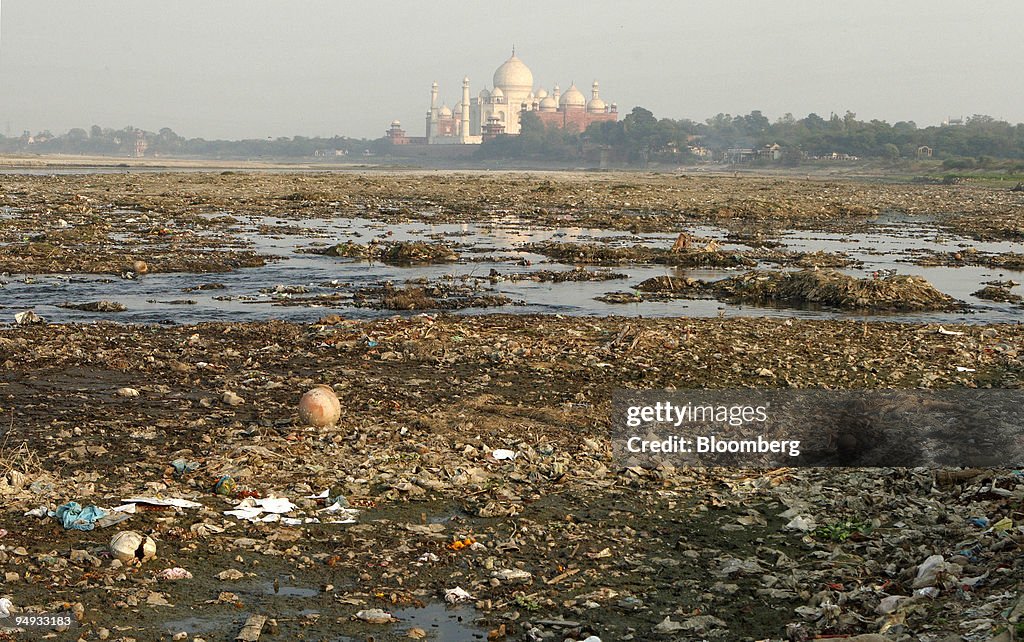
pixel 596 254
pixel 424 295
pixel 971 256
pixel 1000 292
pixel 394 253
pixel 575 274
pixel 835 289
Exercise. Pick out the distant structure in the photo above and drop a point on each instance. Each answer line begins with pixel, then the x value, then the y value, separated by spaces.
pixel 140 145
pixel 497 111
pixel 953 122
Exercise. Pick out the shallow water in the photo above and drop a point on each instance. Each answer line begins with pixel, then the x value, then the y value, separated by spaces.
pixel 161 298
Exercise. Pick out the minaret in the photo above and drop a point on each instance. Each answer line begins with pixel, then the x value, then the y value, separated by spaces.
pixel 594 91
pixel 557 93
pixel 464 129
pixel 432 120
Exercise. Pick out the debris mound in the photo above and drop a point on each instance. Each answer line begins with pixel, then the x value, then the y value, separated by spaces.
pixel 835 289
pixel 595 254
pixel 95 306
pixel 397 253
pixel 998 294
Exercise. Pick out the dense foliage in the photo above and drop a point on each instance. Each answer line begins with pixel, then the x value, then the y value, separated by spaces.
pixel 641 137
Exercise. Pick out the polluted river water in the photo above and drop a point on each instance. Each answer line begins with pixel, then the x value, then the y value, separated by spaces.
pixel 327 283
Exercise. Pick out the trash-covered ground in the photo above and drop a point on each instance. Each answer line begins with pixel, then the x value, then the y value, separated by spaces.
pixel 471 465
pixel 161 479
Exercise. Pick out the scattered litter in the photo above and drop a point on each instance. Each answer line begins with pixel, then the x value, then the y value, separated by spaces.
pixel 73 516
pixel 130 505
pixel 266 509
pixel 172 574
pixel 28 317
pixel 252 628
pixel 456 595
pixel 375 616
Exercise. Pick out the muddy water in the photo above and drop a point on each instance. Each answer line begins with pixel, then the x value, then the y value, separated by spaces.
pixel 262 293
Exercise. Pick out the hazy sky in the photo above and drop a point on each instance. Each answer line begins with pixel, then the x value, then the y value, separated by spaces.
pixel 257 68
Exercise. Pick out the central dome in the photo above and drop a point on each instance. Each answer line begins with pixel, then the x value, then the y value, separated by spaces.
pixel 513 75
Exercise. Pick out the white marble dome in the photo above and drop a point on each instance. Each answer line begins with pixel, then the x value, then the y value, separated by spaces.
pixel 513 75
pixel 573 97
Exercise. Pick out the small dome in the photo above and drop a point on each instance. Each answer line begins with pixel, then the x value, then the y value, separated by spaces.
pixel 396 123
pixel 596 106
pixel 541 94
pixel 446 111
pixel 573 98
pixel 458 107
pixel 484 94
pixel 513 75
pixel 497 93
pixel 548 103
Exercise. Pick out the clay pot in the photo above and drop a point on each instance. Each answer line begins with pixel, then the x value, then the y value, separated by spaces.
pixel 319 407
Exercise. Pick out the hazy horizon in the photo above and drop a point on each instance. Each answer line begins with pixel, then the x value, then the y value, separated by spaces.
pixel 260 69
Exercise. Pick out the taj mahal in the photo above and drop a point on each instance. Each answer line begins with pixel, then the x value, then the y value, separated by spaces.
pixel 497 111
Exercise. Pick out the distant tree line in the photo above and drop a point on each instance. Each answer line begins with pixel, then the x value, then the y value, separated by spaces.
pixel 126 142
pixel 641 137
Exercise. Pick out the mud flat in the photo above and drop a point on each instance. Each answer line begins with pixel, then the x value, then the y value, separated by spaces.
pixel 562 539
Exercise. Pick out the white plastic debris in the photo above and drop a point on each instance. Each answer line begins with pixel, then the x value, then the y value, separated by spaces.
pixel 668 626
pixel 456 595
pixel 5 607
pixel 502 454
pixel 932 571
pixel 375 616
pixel 28 317
pixel 253 509
pixel 802 523
pixel 889 604
pixel 512 575
pixel 950 333
pixel 130 504
pixel 176 573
